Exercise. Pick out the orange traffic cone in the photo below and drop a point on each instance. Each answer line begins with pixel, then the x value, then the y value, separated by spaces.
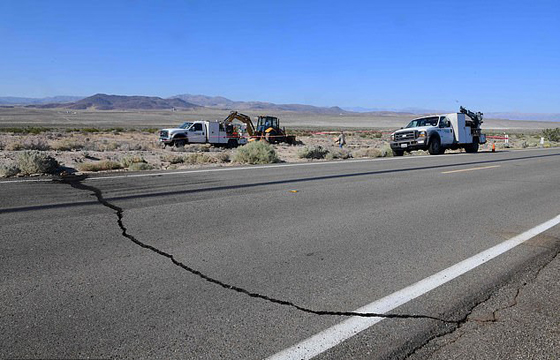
pixel 493 147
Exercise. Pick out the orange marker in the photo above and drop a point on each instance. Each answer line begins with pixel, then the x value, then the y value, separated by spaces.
pixel 493 147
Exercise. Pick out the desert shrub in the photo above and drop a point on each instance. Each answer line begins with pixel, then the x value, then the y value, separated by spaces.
pixel 173 159
pixel 99 165
pixel 338 154
pixel 26 130
pixel 140 166
pixel 150 130
pixel 36 162
pixel 129 160
pixel 372 152
pixel 29 144
pixel 198 158
pixel 312 152
pixel 133 147
pixel 89 130
pixel 256 152
pixel 369 152
pixel 371 135
pixel 197 148
pixel 551 134
pixel 386 151
pixel 104 145
pixel 67 145
pixel 222 157
pixel 7 170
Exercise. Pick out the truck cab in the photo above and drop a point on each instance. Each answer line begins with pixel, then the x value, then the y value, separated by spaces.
pixel 436 133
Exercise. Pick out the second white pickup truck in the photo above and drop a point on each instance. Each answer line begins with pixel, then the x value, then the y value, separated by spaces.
pixel 205 132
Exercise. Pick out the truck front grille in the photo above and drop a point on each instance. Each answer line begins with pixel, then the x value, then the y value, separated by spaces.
pixel 163 134
pixel 405 135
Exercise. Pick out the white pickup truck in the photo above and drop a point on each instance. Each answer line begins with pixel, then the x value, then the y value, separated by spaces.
pixel 436 133
pixel 204 132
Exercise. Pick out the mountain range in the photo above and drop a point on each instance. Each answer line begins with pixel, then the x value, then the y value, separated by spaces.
pixel 188 101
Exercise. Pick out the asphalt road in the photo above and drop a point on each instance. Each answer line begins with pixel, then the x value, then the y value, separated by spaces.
pixel 242 263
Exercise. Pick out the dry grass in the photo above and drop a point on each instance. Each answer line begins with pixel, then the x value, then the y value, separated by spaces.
pixel 102 165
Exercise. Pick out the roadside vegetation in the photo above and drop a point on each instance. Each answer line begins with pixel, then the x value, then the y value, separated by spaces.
pixel 93 149
pixel 256 152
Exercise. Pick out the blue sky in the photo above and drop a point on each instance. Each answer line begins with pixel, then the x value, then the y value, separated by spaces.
pixel 486 55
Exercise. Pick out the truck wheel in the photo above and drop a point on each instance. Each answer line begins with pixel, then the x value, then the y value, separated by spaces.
pixel 472 148
pixel 435 146
pixel 180 143
pixel 232 143
pixel 398 152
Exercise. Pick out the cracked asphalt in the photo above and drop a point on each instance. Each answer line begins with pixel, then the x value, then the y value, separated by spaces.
pixel 233 264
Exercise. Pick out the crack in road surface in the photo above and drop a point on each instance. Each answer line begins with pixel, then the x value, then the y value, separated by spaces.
pixel 467 317
pixel 77 184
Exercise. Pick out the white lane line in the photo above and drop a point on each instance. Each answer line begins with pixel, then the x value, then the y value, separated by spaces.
pixel 336 334
pixel 24 181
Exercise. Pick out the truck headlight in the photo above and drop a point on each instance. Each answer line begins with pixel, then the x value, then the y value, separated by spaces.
pixel 393 136
pixel 422 134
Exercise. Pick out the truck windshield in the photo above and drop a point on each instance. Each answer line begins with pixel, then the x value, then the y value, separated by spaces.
pixel 185 125
pixel 431 121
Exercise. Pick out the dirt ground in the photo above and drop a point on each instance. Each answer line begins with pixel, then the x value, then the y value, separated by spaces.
pixel 85 149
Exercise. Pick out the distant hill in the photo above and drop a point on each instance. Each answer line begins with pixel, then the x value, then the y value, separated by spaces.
pixel 121 102
pixel 11 100
pixel 219 102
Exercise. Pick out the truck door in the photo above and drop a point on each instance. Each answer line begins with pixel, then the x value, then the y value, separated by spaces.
pixel 445 131
pixel 197 133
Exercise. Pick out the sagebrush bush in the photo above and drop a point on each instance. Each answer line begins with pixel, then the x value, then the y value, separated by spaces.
pixel 29 144
pixel 256 152
pixel 36 162
pixel 551 134
pixel 67 145
pixel 99 166
pixel 312 152
pixel 198 158
pixel 338 154
pixel 129 160
pixel 371 152
pixel 173 159
pixel 140 166
pixel 7 170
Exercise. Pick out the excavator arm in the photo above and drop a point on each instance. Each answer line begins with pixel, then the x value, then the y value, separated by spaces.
pixel 244 119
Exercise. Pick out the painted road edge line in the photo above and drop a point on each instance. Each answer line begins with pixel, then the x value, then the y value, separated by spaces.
pixel 471 169
pixel 336 334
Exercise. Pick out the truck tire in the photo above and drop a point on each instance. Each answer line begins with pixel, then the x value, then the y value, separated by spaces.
pixel 472 148
pixel 434 148
pixel 232 143
pixel 398 152
pixel 179 143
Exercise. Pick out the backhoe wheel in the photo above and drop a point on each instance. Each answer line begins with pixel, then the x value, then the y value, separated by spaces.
pixel 435 146
pixel 269 137
pixel 398 152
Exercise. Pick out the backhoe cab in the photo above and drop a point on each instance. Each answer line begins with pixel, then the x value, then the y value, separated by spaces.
pixel 268 128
